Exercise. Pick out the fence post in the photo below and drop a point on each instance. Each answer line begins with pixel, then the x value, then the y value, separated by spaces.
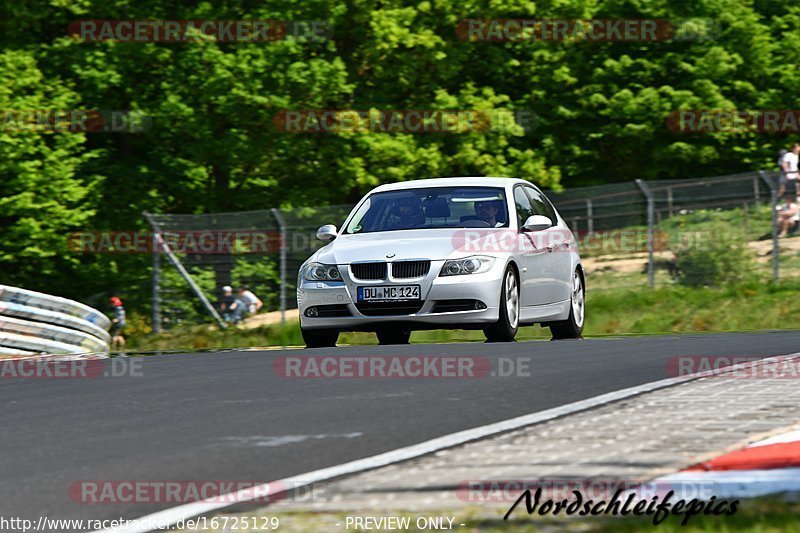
pixel 156 304
pixel 773 192
pixel 282 228
pixel 650 231
pixel 756 190
pixel 162 245
pixel 589 216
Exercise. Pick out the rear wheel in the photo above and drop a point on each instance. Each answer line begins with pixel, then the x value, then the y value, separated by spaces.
pixel 505 329
pixel 320 338
pixel 572 327
pixel 393 336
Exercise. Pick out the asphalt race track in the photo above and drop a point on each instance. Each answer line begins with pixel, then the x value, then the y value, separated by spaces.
pixel 228 416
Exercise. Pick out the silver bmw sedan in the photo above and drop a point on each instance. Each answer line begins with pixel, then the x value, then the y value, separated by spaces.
pixel 448 253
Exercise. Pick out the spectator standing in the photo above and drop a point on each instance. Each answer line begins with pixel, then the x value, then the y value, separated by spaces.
pixel 789 171
pixel 117 324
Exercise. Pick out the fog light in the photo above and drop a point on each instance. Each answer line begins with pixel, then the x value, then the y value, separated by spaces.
pixel 479 305
pixel 312 312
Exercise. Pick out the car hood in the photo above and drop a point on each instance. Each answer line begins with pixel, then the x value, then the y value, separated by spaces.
pixel 434 244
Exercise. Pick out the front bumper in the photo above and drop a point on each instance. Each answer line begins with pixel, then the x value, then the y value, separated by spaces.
pixel 484 287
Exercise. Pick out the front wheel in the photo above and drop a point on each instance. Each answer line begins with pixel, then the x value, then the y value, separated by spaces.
pixel 320 338
pixel 505 329
pixel 572 327
pixel 393 336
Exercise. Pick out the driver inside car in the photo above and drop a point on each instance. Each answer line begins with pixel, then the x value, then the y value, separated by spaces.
pixel 407 214
pixel 487 211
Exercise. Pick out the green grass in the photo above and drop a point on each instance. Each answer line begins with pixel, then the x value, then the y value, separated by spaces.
pixel 670 309
pixel 210 337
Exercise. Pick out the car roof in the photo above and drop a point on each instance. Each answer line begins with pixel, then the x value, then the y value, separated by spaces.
pixel 477 181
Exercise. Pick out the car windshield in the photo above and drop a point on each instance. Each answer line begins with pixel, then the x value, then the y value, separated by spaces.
pixel 435 207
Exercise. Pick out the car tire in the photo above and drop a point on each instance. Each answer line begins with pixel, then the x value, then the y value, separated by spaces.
pixel 572 327
pixel 505 329
pixel 393 336
pixel 320 338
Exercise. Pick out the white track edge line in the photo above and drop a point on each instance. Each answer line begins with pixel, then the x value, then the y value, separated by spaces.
pixel 173 515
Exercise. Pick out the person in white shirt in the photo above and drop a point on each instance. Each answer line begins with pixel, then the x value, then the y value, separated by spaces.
pixel 790 171
pixel 251 302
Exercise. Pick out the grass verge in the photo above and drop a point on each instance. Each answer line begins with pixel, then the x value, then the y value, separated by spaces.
pixel 673 309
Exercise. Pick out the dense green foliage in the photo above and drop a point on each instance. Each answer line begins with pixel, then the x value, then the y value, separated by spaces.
pixel 601 111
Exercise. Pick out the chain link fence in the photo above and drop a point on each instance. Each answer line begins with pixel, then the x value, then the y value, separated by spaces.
pixel 631 234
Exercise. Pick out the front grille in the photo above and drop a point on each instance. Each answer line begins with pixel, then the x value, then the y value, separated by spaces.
pixel 410 269
pixel 368 270
pixel 389 308
pixel 452 306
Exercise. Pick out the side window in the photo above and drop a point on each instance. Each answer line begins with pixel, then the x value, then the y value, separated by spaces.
pixel 523 205
pixel 541 205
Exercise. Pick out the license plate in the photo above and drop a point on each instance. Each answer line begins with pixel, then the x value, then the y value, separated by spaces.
pixel 395 293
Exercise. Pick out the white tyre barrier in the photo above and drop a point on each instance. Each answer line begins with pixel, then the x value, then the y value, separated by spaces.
pixel 54 303
pixel 41 330
pixel 38 314
pixel 12 340
pixel 33 323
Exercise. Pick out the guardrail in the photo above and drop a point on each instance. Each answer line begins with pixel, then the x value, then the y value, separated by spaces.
pixel 33 323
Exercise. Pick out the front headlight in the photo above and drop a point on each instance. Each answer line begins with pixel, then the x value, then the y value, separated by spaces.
pixel 469 265
pixel 320 272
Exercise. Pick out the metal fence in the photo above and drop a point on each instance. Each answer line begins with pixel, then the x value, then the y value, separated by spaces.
pixel 748 199
pixel 656 213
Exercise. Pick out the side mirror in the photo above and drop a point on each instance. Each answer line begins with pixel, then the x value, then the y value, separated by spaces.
pixel 537 223
pixel 326 233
